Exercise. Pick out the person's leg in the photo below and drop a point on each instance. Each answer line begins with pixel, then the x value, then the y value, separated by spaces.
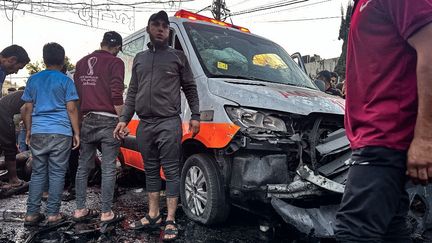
pixel 8 141
pixel 398 230
pixel 39 174
pixel 22 146
pixel 10 152
pixel 372 202
pixel 150 154
pixel 60 146
pixel 169 145
pixel 85 164
pixel 110 148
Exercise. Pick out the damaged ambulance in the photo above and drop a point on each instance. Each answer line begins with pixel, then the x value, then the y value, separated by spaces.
pixel 268 135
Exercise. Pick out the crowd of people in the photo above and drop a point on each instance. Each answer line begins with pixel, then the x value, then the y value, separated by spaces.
pixel 61 115
pixel 388 120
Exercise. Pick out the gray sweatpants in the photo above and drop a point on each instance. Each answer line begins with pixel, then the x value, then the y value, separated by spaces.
pixel 159 141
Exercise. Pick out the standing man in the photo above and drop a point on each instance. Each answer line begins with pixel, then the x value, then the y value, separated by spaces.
pixel 99 81
pixel 388 117
pixel 154 94
pixel 12 59
pixel 50 113
pixel 10 105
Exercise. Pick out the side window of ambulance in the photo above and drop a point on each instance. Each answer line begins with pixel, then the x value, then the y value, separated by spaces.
pixel 174 41
pixel 130 49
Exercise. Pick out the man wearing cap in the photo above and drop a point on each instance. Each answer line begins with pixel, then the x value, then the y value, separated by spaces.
pixel 99 78
pixel 158 74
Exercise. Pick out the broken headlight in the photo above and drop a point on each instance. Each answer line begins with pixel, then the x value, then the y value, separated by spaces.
pixel 249 118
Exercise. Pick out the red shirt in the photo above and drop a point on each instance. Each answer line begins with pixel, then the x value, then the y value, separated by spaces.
pixel 99 78
pixel 381 98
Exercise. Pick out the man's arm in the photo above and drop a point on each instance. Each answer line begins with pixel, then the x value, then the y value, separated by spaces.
pixel 117 85
pixel 26 111
pixel 129 104
pixel 419 154
pixel 190 90
pixel 128 109
pixel 72 109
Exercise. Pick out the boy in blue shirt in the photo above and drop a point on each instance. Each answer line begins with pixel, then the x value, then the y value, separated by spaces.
pixel 50 113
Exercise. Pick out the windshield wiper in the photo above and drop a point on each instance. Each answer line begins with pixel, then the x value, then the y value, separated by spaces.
pixel 239 77
pixel 257 79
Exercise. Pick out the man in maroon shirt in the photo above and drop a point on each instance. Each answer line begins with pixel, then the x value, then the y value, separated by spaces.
pixel 99 79
pixel 388 117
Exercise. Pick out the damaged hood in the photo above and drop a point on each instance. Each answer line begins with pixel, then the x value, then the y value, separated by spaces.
pixel 275 96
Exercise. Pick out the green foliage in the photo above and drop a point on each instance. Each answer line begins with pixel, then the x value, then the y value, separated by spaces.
pixel 38 66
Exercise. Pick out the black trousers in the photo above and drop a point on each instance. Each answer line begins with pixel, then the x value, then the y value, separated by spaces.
pixel 159 141
pixel 375 203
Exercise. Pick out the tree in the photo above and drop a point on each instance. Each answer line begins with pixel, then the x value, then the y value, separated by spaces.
pixel 37 66
pixel 340 68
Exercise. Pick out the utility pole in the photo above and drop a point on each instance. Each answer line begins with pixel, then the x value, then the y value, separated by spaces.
pixel 219 9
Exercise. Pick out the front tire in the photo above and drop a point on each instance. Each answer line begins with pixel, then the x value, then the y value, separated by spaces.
pixel 201 190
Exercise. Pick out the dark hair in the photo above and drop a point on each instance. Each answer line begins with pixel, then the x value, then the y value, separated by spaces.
pixel 12 89
pixel 334 74
pixel 325 74
pixel 16 51
pixel 112 39
pixel 53 54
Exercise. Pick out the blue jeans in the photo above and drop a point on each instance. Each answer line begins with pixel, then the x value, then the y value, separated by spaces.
pixel 97 129
pixel 22 146
pixel 50 160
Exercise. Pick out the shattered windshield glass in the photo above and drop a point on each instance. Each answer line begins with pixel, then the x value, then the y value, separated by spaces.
pixel 224 52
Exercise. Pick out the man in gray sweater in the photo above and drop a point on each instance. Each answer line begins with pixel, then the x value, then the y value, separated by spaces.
pixel 158 74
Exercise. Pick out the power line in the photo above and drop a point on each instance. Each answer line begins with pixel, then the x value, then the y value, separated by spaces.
pixel 287 9
pixel 268 6
pixel 241 2
pixel 299 20
pixel 64 20
pixel 102 4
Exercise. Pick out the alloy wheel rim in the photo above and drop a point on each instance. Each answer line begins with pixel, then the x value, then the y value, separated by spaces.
pixel 196 190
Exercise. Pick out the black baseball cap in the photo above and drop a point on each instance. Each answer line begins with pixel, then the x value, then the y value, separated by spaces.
pixel 161 15
pixel 113 38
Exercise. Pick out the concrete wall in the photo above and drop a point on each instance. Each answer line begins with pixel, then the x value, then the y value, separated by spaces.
pixel 315 67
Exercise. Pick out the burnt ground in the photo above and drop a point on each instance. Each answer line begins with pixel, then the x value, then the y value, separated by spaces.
pixel 131 200
pixel 240 227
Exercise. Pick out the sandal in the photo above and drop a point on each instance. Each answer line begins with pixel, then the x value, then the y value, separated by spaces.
pixel 58 222
pixel 173 232
pixel 91 213
pixel 117 218
pixel 35 222
pixel 14 186
pixel 152 223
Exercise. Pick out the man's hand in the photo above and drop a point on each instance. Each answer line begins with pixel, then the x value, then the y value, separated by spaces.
pixel 28 137
pixel 194 127
pixel 76 141
pixel 419 164
pixel 121 131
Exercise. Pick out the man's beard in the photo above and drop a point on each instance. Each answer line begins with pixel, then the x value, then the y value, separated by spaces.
pixel 158 43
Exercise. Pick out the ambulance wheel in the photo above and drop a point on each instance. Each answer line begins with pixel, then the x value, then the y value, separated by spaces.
pixel 201 190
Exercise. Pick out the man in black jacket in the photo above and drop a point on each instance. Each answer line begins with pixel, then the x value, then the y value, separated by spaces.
pixel 154 94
